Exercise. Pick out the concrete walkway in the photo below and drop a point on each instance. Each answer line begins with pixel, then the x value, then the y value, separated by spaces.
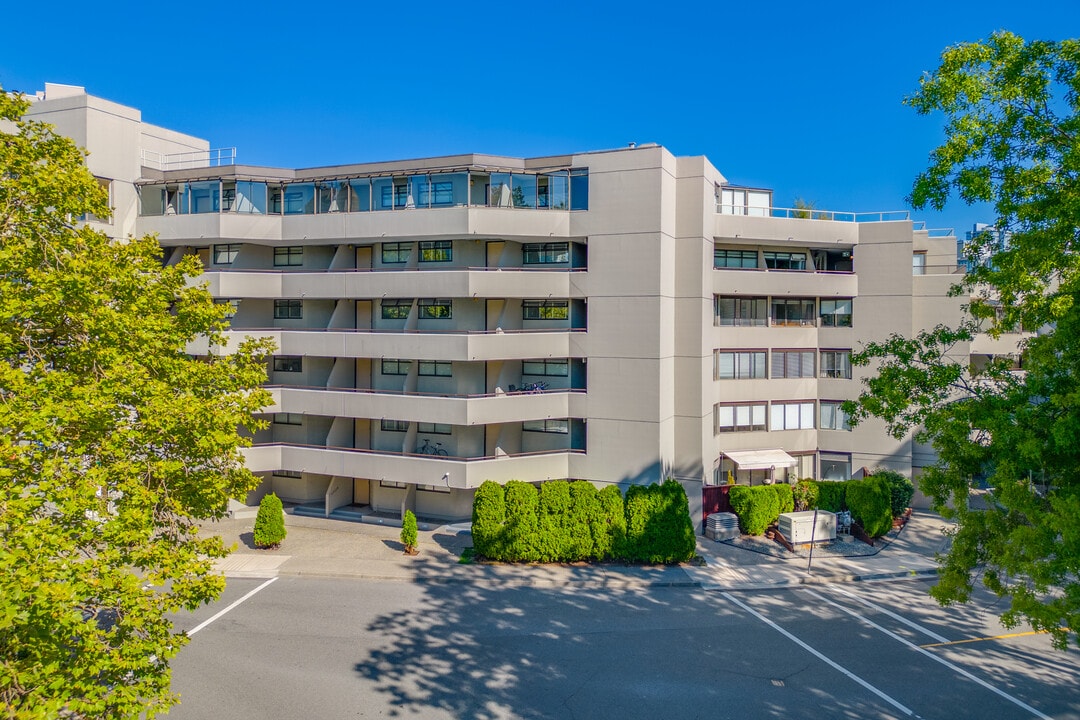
pixel 318 547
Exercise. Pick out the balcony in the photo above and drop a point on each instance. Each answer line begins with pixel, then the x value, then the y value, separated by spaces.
pixel 418 345
pixel 362 284
pixel 461 473
pixel 733 281
pixel 427 407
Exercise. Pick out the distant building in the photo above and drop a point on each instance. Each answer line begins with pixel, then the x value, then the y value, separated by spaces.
pixel 617 316
pixel 1000 242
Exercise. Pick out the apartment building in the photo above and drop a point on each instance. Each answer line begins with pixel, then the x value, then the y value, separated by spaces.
pixel 616 316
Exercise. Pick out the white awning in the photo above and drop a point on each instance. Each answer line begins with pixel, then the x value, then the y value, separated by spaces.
pixel 761 459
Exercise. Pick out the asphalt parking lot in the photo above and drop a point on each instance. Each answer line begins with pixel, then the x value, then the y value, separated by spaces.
pixel 346 648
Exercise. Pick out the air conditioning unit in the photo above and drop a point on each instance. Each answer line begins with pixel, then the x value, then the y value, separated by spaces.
pixel 798 527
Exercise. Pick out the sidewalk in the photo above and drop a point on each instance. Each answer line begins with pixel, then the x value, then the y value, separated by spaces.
pixel 317 547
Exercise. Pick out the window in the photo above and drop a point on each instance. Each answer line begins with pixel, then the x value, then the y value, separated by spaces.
pixel 740 418
pixel 833 416
pixel 400 196
pixel 795 312
pixel 441 192
pixel 300 199
pixel 232 307
pixel 561 427
pixel 579 189
pixel 545 253
pixel 396 309
pixel 741 311
pixel 835 466
pixel 433 489
pixel 434 368
pixel 836 313
pixel 392 484
pixel 436 309
pixel 836 364
pixel 785 260
pixel 556 368
pixel 291 256
pixel 434 428
pixel 396 252
pixel 436 251
pixel 288 419
pixel 288 363
pixel 226 254
pixel 735 258
pixel 545 310
pixel 394 425
pixel 396 367
pixel 792 364
pixel 288 309
pixel 918 263
pixel 792 416
pixel 288 474
pixel 728 365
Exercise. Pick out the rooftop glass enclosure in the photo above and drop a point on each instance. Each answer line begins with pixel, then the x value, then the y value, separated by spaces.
pixel 560 190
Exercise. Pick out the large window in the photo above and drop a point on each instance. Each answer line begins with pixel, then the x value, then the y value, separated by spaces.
pixel 396 309
pixel 394 425
pixel 545 310
pixel 792 416
pixel 835 466
pixel 434 368
pixel 396 252
pixel 434 428
pixel 833 416
pixel 226 254
pixel 435 309
pixel 545 253
pixel 288 309
pixel 918 263
pixel 579 189
pixel 554 368
pixel 299 199
pixel 836 313
pixel 836 364
pixel 740 418
pixel 742 365
pixel 558 426
pixel 288 363
pixel 391 366
pixel 792 364
pixel 741 311
pixel 436 251
pixel 785 260
pixel 290 256
pixel 735 258
pixel 793 311
pixel 288 419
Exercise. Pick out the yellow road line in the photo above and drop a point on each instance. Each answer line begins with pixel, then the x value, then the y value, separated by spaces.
pixel 992 637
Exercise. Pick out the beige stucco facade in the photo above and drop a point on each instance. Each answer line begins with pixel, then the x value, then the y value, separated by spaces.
pixel 412 301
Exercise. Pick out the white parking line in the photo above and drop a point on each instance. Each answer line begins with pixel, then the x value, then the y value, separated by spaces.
pixel 818 655
pixel 899 618
pixel 204 623
pixel 932 656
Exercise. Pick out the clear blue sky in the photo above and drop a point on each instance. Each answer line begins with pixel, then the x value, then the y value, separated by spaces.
pixel 804 98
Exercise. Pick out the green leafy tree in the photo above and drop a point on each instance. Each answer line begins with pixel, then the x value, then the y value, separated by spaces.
pixel 409 532
pixel 1012 126
pixel 113 442
pixel 269 529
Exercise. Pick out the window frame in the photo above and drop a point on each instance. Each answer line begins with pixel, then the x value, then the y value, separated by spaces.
pixel 426 308
pixel 784 260
pixel 757 305
pixel 434 429
pixel 547 363
pixel 391 308
pixel 396 365
pixel 289 363
pixel 386 425
pixel 834 318
pixel 289 256
pixel 551 426
pixel 231 250
pixel 393 250
pixel 287 418
pixel 831 373
pixel 545 309
pixel 752 426
pixel 436 251
pixel 743 256
pixel 545 253
pixel 800 364
pixel 737 361
pixel 806 319
pixel 806 411
pixel 435 368
pixel 837 412
pixel 288 309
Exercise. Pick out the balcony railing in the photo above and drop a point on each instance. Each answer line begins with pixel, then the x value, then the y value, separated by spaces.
pixel 416 393
pixel 193 159
pixel 427 456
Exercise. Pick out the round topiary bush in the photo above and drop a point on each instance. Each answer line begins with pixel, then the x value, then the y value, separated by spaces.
pixel 269 523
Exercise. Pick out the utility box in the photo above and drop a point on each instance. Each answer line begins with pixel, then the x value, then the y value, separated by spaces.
pixel 798 527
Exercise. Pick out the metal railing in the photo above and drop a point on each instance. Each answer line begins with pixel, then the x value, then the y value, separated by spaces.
pixel 193 159
pixel 814 214
pixel 440 458
pixel 417 393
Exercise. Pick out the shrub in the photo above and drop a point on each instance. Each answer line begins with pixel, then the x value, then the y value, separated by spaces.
pixel 870 503
pixel 553 537
pixel 658 525
pixel 785 497
pixel 408 531
pixel 522 523
pixel 901 490
pixel 757 507
pixel 584 515
pixel 831 495
pixel 489 519
pixel 609 526
pixel 805 494
pixel 269 522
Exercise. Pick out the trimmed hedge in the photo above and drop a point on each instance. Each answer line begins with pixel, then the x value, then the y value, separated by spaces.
pixel 269 522
pixel 831 495
pixel 870 503
pixel 901 490
pixel 564 522
pixel 784 496
pixel 757 507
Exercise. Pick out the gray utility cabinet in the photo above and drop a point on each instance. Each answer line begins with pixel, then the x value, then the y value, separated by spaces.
pixel 798 527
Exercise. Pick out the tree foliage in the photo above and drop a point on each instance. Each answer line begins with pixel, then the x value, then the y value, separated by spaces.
pixel 1012 112
pixel 113 441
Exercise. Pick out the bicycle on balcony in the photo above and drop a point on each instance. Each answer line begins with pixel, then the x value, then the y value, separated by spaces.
pixel 428 449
